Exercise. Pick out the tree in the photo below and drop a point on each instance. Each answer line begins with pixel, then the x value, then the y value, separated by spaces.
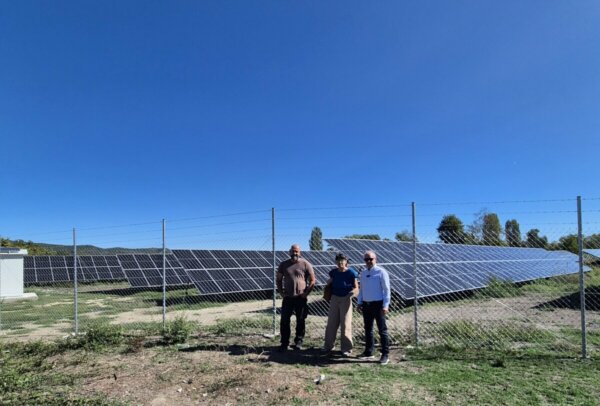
pixel 491 229
pixel 364 237
pixel 31 247
pixel 316 239
pixel 592 241
pixel 404 235
pixel 534 240
pixel 451 230
pixel 475 230
pixel 568 243
pixel 513 233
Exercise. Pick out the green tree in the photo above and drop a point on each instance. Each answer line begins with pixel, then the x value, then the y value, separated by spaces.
pixel 513 233
pixel 592 241
pixel 316 239
pixel 404 235
pixel 491 229
pixel 364 237
pixel 451 230
pixel 475 230
pixel 31 247
pixel 568 243
pixel 534 240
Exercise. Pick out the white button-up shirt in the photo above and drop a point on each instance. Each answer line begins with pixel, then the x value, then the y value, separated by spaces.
pixel 374 286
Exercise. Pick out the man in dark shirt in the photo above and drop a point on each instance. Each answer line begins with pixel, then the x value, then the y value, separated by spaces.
pixel 295 280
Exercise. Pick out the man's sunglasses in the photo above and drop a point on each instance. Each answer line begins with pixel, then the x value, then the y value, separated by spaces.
pixel 369 259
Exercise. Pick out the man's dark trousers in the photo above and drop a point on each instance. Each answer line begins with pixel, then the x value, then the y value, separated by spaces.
pixel 290 305
pixel 372 311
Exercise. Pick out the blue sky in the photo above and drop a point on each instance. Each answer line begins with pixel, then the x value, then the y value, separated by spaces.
pixel 126 112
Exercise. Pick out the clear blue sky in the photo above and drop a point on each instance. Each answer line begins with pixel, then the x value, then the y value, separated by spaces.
pixel 117 112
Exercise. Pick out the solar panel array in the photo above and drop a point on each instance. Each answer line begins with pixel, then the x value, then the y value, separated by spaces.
pixel 593 252
pixel 449 268
pixel 231 271
pixel 98 268
pixel 141 270
pixel 59 268
pixel 146 270
pixel 442 268
pixel 210 271
pixel 218 271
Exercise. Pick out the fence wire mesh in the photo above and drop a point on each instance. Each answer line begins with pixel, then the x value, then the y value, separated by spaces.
pixel 463 275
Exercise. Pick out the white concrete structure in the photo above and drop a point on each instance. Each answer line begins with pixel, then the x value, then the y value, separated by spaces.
pixel 11 274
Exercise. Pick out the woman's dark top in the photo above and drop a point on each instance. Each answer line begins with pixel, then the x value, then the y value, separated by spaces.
pixel 343 282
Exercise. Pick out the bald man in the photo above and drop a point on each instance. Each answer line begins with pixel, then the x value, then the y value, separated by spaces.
pixel 295 280
pixel 374 302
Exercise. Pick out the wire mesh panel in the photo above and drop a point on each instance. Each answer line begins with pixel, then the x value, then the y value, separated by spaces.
pixel 495 282
pixel 228 260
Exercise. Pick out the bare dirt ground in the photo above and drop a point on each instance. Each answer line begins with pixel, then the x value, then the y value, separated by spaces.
pixel 223 374
pixel 206 316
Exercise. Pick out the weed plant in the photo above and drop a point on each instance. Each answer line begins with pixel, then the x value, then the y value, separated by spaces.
pixel 178 331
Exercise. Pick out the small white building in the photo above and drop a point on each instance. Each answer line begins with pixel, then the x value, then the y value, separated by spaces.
pixel 11 274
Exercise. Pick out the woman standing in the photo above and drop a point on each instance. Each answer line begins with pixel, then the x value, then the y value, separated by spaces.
pixel 344 286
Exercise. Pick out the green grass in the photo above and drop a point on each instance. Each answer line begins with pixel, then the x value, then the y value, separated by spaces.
pixel 498 288
pixel 28 377
pixel 508 336
pixel 560 285
pixel 440 377
pixel 240 326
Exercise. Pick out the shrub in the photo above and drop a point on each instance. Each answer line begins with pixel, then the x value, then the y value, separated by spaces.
pixel 98 334
pixel 177 331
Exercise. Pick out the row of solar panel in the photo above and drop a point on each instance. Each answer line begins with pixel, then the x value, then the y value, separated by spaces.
pixel 402 252
pixel 445 268
pixel 441 268
pixel 211 271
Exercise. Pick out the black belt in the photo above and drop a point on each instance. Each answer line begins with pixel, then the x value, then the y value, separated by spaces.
pixel 375 301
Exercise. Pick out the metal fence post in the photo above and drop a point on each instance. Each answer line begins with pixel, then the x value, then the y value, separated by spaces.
pixel 274 268
pixel 581 280
pixel 164 275
pixel 1 300
pixel 415 282
pixel 75 299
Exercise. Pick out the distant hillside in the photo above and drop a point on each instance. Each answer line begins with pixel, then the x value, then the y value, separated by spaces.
pixel 34 248
pixel 31 247
pixel 93 250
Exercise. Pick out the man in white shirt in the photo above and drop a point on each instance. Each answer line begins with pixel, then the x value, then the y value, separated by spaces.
pixel 374 302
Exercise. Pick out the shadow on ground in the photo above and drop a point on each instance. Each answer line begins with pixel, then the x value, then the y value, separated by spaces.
pixel 572 301
pixel 309 356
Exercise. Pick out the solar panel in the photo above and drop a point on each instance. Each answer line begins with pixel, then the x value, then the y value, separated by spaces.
pixel 449 268
pixel 232 271
pixel 45 269
pixel 592 252
pixel 221 271
pixel 146 270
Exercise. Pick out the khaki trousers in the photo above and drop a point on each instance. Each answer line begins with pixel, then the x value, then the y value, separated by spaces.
pixel 340 315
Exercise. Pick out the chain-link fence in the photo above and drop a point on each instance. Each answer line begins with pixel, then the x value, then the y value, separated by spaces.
pixel 519 275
